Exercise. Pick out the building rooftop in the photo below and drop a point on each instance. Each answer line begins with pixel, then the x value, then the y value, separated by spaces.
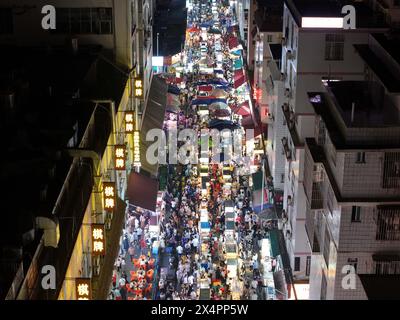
pixel 368 111
pixel 374 125
pixel 366 18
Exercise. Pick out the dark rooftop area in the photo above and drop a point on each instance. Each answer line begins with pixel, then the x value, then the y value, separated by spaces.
pixel 170 22
pixel 390 45
pixel 366 18
pixel 390 79
pixel 321 102
pixel 369 109
pixel 269 15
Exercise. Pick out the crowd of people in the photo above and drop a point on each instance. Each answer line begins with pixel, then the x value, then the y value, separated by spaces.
pixel 134 267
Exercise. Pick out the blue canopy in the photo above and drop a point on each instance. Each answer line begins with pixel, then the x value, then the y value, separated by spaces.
pixel 214 82
pixel 173 89
pixel 206 24
pixel 223 124
pixel 205 225
pixel 207 101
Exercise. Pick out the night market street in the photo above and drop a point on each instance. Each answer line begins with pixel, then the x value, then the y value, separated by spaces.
pixel 214 239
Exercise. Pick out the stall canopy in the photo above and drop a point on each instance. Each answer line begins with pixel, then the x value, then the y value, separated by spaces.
pixel 261 200
pixel 207 101
pixel 223 124
pixel 242 109
pixel 142 191
pixel 153 118
pixel 206 88
pixel 239 78
pixel 174 89
pixel 238 64
pixel 233 43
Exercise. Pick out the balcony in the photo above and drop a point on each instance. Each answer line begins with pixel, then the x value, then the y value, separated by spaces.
pixel 290 120
pixel 286 148
pixel 317 197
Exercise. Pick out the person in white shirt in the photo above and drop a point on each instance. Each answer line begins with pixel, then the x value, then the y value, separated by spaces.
pixel 193 295
pixel 179 250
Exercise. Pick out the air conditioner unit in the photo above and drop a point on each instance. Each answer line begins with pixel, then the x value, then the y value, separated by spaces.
pixel 283 76
pixel 288 234
pixel 290 201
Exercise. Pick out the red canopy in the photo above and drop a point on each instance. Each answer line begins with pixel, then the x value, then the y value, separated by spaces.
pixel 248 123
pixel 240 81
pixel 238 74
pixel 233 42
pixel 206 88
pixel 242 110
pixel 205 97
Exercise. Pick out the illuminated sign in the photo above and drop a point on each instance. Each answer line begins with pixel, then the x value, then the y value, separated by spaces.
pixel 158 61
pixel 109 196
pixel 129 122
pixel 136 149
pixel 139 88
pixel 98 240
pixel 311 22
pixel 83 289
pixel 120 157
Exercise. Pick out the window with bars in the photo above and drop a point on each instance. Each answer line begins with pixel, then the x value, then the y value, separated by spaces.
pixel 391 170
pixel 334 46
pixel 84 20
pixel 387 267
pixel 388 223
pixel 6 21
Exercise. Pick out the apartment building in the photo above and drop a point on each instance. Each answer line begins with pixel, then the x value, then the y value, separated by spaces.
pixel 268 80
pixel 352 180
pixel 88 63
pixel 311 53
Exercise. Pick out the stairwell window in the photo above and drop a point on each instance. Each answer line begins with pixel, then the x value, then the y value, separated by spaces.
pixel 360 157
pixel 297 264
pixel 334 46
pixel 356 214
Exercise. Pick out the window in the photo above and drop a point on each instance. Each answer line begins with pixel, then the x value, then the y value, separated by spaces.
pixel 84 20
pixel 269 38
pixel 6 21
pixel 334 46
pixel 360 157
pixel 388 223
pixel 282 177
pixel 356 214
pixel 352 262
pixel 308 266
pixel 297 264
